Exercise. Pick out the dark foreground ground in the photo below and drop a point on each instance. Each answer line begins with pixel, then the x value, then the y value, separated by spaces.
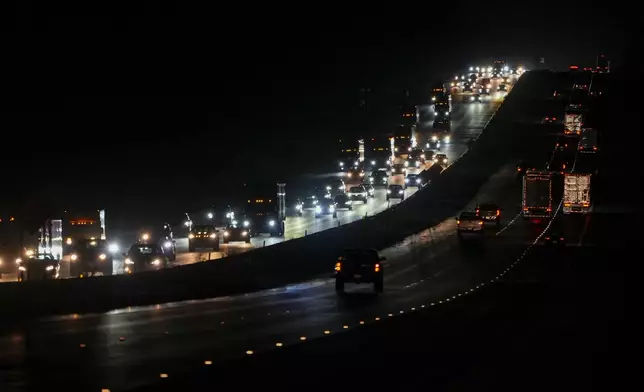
pixel 555 322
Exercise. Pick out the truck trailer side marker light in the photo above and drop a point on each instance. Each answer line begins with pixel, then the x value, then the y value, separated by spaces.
pixel 207 363
pixel 345 327
pixel 327 332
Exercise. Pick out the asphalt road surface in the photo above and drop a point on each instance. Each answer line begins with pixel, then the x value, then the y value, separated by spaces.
pixel 130 347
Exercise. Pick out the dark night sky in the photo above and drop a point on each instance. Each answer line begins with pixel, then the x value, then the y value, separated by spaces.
pixel 170 101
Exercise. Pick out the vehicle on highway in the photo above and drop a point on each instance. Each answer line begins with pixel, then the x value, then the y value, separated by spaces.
pixel 377 153
pixel 356 172
pixel 402 142
pixel 440 159
pixel 336 187
pixel 409 114
pixel 554 237
pixel 429 156
pixel 476 98
pixel 417 154
pixel 576 193
pixel 485 86
pixel 371 191
pixel 145 257
pixel 36 267
pixel 358 193
pixel 90 258
pixel 325 207
pixel 438 92
pixel 469 222
pixel 572 123
pixel 379 178
pixel 588 141
pixel 442 109
pixel 82 224
pixel 163 236
pixel 343 202
pixel 467 87
pixel 537 194
pixel 551 119
pixel 502 87
pixel 360 266
pixel 442 124
pixel 398 169
pixel 490 213
pixel 235 232
pixel 395 191
pixel 413 180
pixel 414 163
pixel 348 155
pixel 263 215
pixel 203 237
pixel 308 203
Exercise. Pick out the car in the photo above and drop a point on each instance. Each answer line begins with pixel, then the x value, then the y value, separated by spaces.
pixel 398 168
pixel 38 267
pixel 429 155
pixel 163 237
pixel 343 202
pixel 90 258
pixel 355 172
pixel 336 187
pixel 395 192
pixel 358 193
pixel 325 207
pixel 476 98
pixel 502 87
pixel 554 238
pixel 379 178
pixel 440 159
pixel 470 223
pixel 360 266
pixel 489 212
pixel 145 257
pixel 413 180
pixel 202 237
pixel 234 232
pixel 371 191
pixel 551 119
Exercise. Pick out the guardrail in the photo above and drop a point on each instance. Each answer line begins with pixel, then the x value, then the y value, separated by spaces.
pixel 287 262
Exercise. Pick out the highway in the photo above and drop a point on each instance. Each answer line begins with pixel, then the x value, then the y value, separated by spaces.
pixel 130 347
pixel 468 120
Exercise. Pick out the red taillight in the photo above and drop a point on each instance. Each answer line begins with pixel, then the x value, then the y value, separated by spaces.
pixel 480 222
pixel 547 238
pixel 498 212
pixel 376 267
pixel 477 211
pixel 338 266
pixel 561 238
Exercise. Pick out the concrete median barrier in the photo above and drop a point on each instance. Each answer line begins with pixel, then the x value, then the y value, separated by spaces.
pixel 298 259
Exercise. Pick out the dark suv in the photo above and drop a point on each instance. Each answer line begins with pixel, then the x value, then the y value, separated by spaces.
pixel 359 266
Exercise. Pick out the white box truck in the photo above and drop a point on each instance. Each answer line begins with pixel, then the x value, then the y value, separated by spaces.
pixel 572 123
pixel 576 196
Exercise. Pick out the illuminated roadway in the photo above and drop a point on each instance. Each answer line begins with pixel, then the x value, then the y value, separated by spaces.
pixel 467 121
pixel 135 346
